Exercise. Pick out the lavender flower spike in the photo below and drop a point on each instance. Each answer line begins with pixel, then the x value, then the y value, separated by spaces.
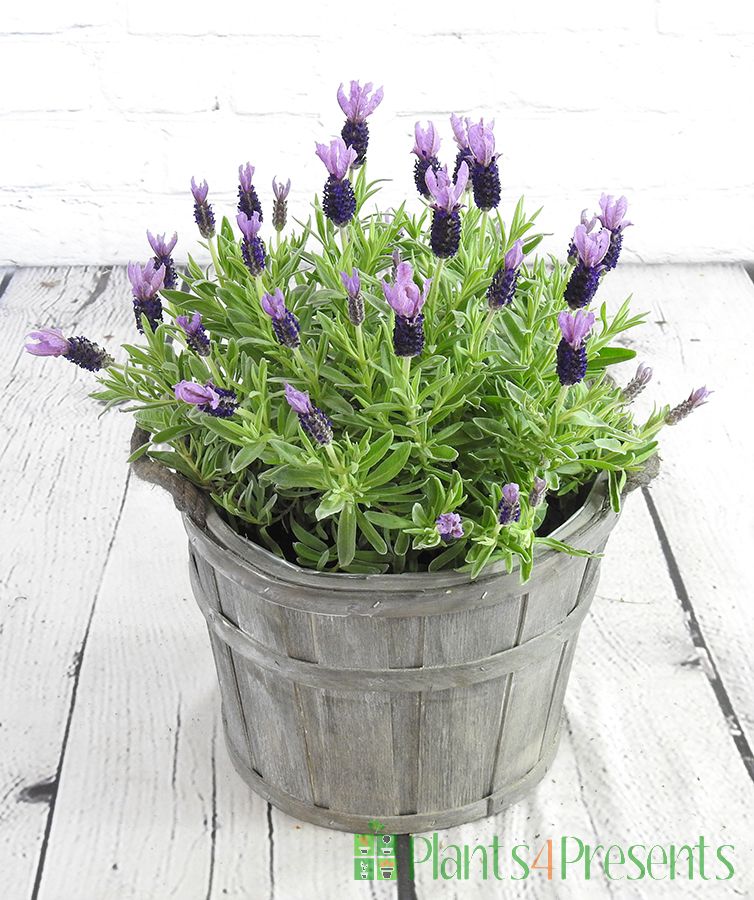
pixel 285 325
pixel 695 399
pixel 461 136
pixel 585 278
pixel 537 492
pixel 163 256
pixel 196 337
pixel 637 384
pixel 485 177
pixel 613 218
pixel 78 350
pixel 357 106
pixel 352 284
pixel 280 204
pixel 509 508
pixel 406 301
pixel 445 232
pixel 207 398
pixel 252 246
pixel 145 283
pixel 571 353
pixel 426 147
pixel 449 526
pixel 503 285
pixel 314 422
pixel 203 215
pixel 338 200
pixel 248 201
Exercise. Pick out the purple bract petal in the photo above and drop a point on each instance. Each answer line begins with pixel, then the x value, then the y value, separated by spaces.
pixel 426 141
pixel 515 256
pixel 482 142
pixel 449 526
pixel 146 281
pixel 298 400
pixel 249 225
pixel 575 328
pixel 245 176
pixel 199 190
pixel 359 104
pixel 591 247
pixel 281 191
pixel 444 192
pixel 274 304
pixel 196 394
pixel 50 342
pixel 352 283
pixel 159 245
pixel 460 131
pixel 337 157
pixel 613 215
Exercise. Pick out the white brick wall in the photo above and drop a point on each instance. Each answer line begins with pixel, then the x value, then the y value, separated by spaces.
pixel 108 108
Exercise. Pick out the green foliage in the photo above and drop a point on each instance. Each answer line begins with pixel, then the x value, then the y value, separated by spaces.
pixel 482 406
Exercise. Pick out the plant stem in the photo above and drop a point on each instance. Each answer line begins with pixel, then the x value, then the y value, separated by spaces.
pixel 478 341
pixel 558 408
pixel 213 254
pixel 277 240
pixel 435 286
pixel 406 364
pixel 330 450
pixel 485 213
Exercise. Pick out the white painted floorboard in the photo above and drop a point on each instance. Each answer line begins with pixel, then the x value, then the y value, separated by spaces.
pixel 114 780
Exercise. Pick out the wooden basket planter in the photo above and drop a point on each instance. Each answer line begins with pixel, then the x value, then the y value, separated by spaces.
pixel 421 700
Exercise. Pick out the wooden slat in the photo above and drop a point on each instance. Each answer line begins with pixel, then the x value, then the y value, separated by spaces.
pixel 63 475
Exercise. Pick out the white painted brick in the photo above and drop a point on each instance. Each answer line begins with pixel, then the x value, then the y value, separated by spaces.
pixel 698 16
pixel 164 76
pixel 49 16
pixel 46 75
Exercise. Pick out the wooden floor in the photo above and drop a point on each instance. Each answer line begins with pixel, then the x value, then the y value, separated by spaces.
pixel 114 780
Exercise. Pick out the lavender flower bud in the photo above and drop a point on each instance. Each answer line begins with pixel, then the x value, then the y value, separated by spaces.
pixel 203 215
pixel 538 491
pixel 248 201
pixel 162 256
pixel 253 250
pixel 280 204
pixel 571 353
pixel 485 177
pixel 78 350
pixel 338 199
pixel 588 222
pixel 360 103
pixel 47 342
pixel 695 399
pixel 207 398
pixel 314 422
pixel 352 284
pixel 196 337
pixel 445 231
pixel 449 526
pixel 637 384
pixel 426 146
pixel 613 218
pixel 406 301
pixel 285 325
pixel 509 508
pixel 503 285
pixel 585 278
pixel 146 282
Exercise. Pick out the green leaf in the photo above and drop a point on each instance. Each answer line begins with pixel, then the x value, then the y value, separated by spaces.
pixel 389 468
pixel 371 534
pixel 246 456
pixel 347 535
pixel 555 544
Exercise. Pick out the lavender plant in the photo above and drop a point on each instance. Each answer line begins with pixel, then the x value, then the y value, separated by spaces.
pixel 385 392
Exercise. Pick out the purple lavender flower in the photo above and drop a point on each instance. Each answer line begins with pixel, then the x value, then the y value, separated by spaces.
pixel 285 325
pixel 248 201
pixel 78 350
pixel 485 177
pixel 314 422
pixel 696 398
pixel 461 136
pixel 207 398
pixel 503 285
pixel 613 217
pixel 146 282
pixel 426 146
pixel 280 204
pixel 588 221
pixel 203 215
pixel 449 526
pixel 338 200
pixel 585 278
pixel 445 232
pixel 571 354
pixel 537 492
pixel 509 508
pixel 252 246
pixel 352 284
pixel 163 256
pixel 637 384
pixel 357 106
pixel 406 301
pixel 196 337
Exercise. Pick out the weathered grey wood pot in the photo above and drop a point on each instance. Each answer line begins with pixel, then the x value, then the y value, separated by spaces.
pixel 422 700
